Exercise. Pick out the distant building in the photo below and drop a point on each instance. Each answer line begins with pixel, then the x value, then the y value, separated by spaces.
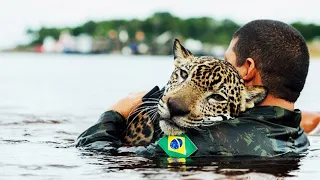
pixel 66 42
pixel 99 45
pixel 218 51
pixel 49 44
pixel 84 44
pixel 195 46
pixel 163 43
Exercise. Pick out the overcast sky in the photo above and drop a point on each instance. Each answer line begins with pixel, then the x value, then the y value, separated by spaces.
pixel 18 15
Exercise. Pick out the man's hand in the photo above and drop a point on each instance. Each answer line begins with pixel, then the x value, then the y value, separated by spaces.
pixel 310 121
pixel 127 104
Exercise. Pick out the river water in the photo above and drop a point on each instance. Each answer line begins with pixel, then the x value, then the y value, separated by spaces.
pixel 47 100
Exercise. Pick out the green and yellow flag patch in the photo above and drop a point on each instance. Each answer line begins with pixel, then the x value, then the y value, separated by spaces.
pixel 177 146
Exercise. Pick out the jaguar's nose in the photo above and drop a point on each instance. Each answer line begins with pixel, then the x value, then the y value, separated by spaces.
pixel 177 108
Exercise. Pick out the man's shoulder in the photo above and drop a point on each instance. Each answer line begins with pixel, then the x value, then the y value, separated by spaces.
pixel 265 131
pixel 263 120
pixel 270 116
pixel 248 120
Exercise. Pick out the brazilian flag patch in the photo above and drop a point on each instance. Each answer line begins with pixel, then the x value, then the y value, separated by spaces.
pixel 177 146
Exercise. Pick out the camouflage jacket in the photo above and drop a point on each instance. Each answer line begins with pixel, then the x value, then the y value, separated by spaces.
pixel 260 131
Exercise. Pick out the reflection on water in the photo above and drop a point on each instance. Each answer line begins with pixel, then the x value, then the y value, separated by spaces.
pixel 48 100
pixel 219 167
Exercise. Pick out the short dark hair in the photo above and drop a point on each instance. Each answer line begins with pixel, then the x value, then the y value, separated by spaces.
pixel 280 54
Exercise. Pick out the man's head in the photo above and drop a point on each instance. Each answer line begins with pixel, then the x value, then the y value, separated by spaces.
pixel 273 52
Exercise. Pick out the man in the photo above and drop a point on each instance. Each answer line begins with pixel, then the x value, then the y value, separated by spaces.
pixel 310 121
pixel 265 52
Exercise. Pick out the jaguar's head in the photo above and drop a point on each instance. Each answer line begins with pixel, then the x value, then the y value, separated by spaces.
pixel 202 91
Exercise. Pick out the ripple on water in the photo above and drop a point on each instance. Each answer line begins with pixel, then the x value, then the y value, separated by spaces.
pixel 30 167
pixel 7 119
pixel 61 166
pixel 35 121
pixel 14 141
pixel 42 121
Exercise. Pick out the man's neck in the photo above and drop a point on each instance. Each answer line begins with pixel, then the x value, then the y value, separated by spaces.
pixel 273 101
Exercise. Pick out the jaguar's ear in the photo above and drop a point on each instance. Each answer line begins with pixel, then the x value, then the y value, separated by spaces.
pixel 255 95
pixel 179 51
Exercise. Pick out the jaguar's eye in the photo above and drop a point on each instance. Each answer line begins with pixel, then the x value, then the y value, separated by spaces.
pixel 216 97
pixel 183 74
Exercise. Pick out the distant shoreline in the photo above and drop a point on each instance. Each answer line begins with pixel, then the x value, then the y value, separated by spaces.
pixel 314 50
pixel 314 55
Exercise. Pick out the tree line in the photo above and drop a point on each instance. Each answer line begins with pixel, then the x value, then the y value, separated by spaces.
pixel 205 29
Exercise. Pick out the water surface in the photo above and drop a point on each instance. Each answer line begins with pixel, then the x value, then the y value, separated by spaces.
pixel 48 100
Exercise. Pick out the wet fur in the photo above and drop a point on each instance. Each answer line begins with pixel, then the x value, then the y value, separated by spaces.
pixel 207 77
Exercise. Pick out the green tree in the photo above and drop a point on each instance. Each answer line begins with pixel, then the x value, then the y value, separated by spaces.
pixel 205 29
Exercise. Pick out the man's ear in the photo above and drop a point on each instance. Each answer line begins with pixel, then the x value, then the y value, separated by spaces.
pixel 250 70
pixel 179 51
pixel 255 95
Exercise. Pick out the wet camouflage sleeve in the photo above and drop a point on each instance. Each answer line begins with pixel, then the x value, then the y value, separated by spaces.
pixel 108 129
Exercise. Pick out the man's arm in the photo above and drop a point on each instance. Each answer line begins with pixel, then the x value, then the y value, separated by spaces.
pixel 111 123
pixel 125 105
pixel 109 129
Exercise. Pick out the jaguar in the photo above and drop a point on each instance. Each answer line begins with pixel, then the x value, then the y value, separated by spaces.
pixel 200 92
